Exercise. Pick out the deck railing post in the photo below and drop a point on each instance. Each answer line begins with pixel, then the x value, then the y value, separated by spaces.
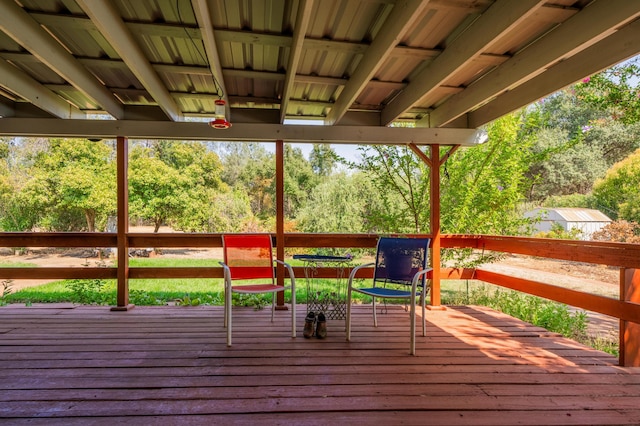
pixel 629 331
pixel 435 224
pixel 122 160
pixel 280 221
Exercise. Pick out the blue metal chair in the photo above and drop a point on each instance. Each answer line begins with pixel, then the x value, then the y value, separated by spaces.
pixel 400 272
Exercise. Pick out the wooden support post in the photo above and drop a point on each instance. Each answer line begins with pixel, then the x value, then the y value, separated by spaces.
pixel 280 220
pixel 122 161
pixel 629 331
pixel 434 199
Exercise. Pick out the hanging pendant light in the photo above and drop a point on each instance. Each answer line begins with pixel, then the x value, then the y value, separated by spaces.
pixel 220 121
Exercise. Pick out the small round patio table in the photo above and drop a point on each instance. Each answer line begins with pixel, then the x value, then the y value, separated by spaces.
pixel 331 300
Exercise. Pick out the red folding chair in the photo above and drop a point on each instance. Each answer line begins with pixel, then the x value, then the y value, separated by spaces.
pixel 249 269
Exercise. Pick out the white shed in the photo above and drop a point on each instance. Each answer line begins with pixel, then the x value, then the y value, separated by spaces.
pixel 587 221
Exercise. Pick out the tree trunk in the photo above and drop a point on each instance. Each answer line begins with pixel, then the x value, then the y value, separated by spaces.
pixel 90 215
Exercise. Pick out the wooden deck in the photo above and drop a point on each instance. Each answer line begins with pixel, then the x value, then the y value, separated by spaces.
pixel 169 365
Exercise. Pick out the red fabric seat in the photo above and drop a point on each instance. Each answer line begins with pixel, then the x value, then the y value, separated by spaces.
pixel 247 258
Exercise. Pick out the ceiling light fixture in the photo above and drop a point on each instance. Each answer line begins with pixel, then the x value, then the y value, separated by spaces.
pixel 220 121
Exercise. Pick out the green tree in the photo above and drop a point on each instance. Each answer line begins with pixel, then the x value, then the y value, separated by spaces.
pixel 72 184
pixel 237 156
pixel 19 210
pixel 299 180
pixel 612 139
pixel 257 178
pixel 563 166
pixel 615 91
pixel 401 182
pixel 323 159
pixel 618 192
pixel 340 204
pixel 155 189
pixel 483 186
pixel 172 182
pixel 575 142
pixel 254 172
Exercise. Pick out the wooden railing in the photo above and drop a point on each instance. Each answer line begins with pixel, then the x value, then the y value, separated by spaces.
pixel 624 256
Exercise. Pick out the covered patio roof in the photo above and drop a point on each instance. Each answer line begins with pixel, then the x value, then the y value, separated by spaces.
pixel 150 65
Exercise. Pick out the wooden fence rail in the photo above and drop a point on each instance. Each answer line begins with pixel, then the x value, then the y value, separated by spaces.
pixel 621 255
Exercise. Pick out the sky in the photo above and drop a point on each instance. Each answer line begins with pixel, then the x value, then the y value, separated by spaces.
pixel 349 152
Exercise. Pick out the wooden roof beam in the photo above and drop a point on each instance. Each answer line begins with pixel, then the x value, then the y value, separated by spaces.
pixel 203 16
pixel 21 84
pixel 497 21
pixel 22 28
pixel 302 23
pixel 597 21
pixel 109 129
pixel 108 21
pixel 402 17
pixel 616 48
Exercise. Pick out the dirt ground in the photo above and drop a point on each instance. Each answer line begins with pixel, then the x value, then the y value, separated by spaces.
pixel 589 271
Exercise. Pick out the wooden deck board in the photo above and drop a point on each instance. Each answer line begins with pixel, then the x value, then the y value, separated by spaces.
pixel 170 365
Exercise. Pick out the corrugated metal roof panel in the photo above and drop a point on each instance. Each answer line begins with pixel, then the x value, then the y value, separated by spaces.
pixel 571 214
pixel 253 42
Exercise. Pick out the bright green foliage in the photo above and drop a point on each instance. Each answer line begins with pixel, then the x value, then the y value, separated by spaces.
pixel 483 185
pixel 339 205
pixel 155 189
pixel 401 184
pixel 174 183
pixel 193 159
pixel 218 212
pixel 615 90
pixel 573 200
pixel 569 166
pixel 323 159
pixel 71 185
pixel 480 190
pixel 6 188
pixel 299 180
pixel 559 233
pixel 618 192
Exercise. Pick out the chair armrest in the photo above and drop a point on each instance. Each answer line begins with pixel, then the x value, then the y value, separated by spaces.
pixel 416 277
pixel 289 269
pixel 227 273
pixel 356 269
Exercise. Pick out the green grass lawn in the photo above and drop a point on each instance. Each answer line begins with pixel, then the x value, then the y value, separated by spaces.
pixel 154 291
pixel 186 291
pixel 5 264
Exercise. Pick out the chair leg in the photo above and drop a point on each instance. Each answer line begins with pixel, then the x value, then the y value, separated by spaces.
pixel 412 350
pixel 226 318
pixel 293 312
pixel 424 312
pixel 375 316
pixel 273 305
pixel 229 309
pixel 347 325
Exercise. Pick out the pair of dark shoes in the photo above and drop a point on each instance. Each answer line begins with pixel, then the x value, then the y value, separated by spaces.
pixel 315 326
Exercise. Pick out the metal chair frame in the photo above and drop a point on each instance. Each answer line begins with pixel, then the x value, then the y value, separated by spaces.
pixel 237 271
pixel 412 274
